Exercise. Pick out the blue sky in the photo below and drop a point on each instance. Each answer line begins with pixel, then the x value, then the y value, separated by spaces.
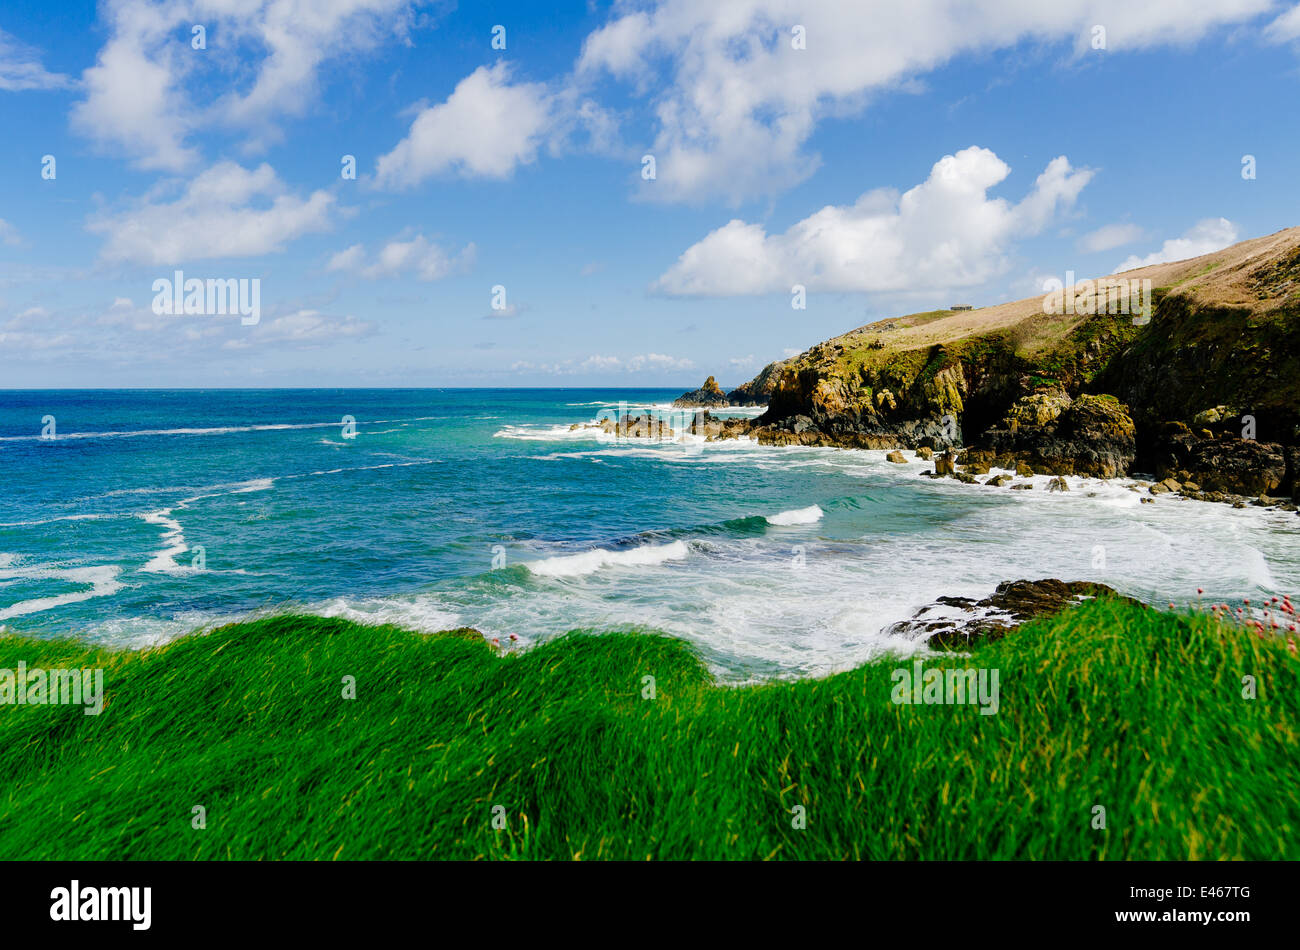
pixel 906 157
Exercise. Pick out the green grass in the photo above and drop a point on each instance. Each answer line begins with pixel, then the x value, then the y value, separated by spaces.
pixel 1136 710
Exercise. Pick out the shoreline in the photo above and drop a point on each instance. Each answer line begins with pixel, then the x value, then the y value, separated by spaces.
pixel 653 427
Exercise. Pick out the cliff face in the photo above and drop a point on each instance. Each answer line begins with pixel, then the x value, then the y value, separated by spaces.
pixel 1219 340
pixel 758 391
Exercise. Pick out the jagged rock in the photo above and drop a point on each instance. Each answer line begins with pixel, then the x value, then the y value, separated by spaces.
pixel 1091 435
pixel 1038 409
pixel 896 456
pixel 997 481
pixel 1215 415
pixel 958 622
pixel 1058 484
pixel 945 464
pixel 1291 485
pixel 925 453
pixel 1024 470
pixel 964 477
pixel 758 391
pixel 710 394
pixel 1227 464
pixel 1024 486
pixel 977 468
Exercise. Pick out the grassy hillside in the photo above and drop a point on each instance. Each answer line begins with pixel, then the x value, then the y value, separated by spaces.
pixel 1135 710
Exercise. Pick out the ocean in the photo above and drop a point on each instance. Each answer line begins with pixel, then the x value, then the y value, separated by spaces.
pixel 151 514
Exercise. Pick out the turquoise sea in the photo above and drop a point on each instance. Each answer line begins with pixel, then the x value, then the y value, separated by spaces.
pixel 485 508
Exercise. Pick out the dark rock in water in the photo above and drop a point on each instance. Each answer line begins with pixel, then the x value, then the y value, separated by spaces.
pixel 1049 433
pixel 1291 486
pixel 955 623
pixel 1226 464
pixel 710 394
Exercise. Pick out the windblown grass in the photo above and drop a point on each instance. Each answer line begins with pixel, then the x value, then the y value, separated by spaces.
pixel 1135 710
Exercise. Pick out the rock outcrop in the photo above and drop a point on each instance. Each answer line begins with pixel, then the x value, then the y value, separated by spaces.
pixel 758 391
pixel 1054 435
pixel 707 396
pixel 1085 392
pixel 1224 463
pixel 956 623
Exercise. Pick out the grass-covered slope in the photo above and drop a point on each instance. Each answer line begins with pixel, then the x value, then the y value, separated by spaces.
pixel 1138 711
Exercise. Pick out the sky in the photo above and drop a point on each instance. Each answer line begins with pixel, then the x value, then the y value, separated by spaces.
pixel 596 194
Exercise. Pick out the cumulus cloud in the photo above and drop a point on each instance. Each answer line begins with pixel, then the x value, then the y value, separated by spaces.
pixel 227 211
pixel 145 95
pixel 1211 234
pixel 1109 237
pixel 945 232
pixel 734 103
pixel 486 128
pixel 21 69
pixel 417 256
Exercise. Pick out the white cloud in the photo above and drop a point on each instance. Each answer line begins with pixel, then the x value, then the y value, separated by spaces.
pixel 599 363
pixel 349 258
pixel 21 69
pixel 145 95
pixel 9 234
pixel 734 104
pixel 1286 27
pixel 418 256
pixel 1109 237
pixel 303 328
pixel 1211 234
pixel 943 233
pixel 658 361
pixel 227 211
pixel 486 128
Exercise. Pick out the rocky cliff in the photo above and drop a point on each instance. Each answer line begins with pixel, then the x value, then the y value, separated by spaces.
pixel 1164 369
